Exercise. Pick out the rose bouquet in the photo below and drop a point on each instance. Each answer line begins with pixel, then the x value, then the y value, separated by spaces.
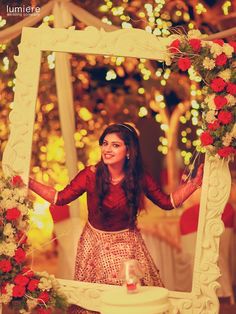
pixel 215 62
pixel 21 288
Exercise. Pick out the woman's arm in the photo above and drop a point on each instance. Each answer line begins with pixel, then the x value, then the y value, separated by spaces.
pixel 73 190
pixel 46 192
pixel 185 190
pixel 175 199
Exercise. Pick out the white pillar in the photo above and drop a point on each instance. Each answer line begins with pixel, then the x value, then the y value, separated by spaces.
pixel 65 100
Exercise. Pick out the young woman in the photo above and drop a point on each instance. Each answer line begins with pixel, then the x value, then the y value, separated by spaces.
pixel 115 189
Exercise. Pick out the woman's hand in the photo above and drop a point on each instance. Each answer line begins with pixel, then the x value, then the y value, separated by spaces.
pixel 198 178
pixel 46 192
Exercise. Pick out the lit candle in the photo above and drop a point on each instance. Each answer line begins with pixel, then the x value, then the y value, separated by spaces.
pixel 131 285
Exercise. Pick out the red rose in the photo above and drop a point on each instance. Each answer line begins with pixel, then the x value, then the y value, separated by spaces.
pixel 218 84
pixel 206 138
pixel 218 41
pixel 214 125
pixel 33 285
pixel 13 214
pixel 18 291
pixel 44 310
pixel 174 46
pixel 221 59
pixel 220 101
pixel 17 181
pixel 184 63
pixel 21 280
pixel 226 151
pixel 43 297
pixel 19 255
pixel 225 117
pixel 233 44
pixel 231 88
pixel 5 265
pixel 195 44
pixel 26 271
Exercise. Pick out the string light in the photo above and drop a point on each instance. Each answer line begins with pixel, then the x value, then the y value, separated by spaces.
pixel 225 7
pixel 143 112
pixel 2 22
pixel 200 8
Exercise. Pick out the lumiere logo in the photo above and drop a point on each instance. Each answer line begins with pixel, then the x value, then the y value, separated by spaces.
pixel 22 10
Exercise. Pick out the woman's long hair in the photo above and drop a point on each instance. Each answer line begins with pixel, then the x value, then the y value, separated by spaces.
pixel 133 168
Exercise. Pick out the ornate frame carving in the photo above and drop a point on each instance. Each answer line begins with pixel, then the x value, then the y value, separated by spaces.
pixel 16 158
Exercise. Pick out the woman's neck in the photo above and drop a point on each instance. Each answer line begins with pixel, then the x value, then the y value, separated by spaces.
pixel 116 172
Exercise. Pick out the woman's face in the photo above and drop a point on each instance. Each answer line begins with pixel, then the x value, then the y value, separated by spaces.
pixel 114 150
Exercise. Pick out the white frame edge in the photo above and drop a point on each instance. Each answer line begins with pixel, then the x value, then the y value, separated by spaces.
pixel 16 158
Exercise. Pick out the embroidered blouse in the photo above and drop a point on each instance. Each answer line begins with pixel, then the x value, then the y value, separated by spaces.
pixel 115 209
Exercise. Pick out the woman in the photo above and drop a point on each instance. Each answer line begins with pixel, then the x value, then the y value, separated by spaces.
pixel 115 189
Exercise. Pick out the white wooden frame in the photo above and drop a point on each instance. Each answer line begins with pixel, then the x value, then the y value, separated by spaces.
pixel 16 158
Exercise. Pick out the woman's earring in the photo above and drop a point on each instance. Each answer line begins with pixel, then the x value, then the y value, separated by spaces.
pixel 127 156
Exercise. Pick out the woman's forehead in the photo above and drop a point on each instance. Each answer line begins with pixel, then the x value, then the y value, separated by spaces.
pixel 113 137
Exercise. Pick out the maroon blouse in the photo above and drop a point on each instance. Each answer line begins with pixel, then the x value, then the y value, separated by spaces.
pixel 115 210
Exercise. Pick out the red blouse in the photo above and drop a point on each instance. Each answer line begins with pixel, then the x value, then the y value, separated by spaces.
pixel 115 210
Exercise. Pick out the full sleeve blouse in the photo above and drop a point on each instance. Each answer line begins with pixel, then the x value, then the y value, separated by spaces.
pixel 114 214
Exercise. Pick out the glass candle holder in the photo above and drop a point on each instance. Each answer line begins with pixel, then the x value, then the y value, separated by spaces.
pixel 131 273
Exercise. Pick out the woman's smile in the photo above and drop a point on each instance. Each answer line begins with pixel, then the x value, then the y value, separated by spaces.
pixel 114 150
pixel 108 156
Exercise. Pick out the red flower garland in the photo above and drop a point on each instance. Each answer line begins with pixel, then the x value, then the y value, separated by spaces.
pixel 5 266
pixel 18 291
pixel 221 59
pixel 175 46
pixel 214 125
pixel 195 44
pixel 33 285
pixel 206 138
pixel 21 280
pixel 226 151
pixel 225 117
pixel 220 101
pixel 218 84
pixel 231 89
pixel 17 281
pixel 13 214
pixel 184 63
pixel 17 181
pixel 43 297
pixel 214 62
pixel 20 255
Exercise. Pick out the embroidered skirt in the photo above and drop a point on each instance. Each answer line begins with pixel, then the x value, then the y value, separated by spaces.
pixel 100 255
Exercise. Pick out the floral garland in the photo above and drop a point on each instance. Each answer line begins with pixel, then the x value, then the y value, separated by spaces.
pixel 21 288
pixel 215 62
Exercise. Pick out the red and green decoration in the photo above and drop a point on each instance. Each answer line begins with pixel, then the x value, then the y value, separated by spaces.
pixel 215 63
pixel 21 288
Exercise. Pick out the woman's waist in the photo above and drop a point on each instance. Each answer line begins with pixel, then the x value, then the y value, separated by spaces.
pixel 107 229
pixel 109 221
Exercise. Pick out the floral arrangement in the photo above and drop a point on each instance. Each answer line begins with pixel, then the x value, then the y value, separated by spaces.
pixel 21 288
pixel 215 62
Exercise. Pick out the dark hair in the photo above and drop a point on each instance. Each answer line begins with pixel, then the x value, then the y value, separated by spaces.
pixel 133 168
